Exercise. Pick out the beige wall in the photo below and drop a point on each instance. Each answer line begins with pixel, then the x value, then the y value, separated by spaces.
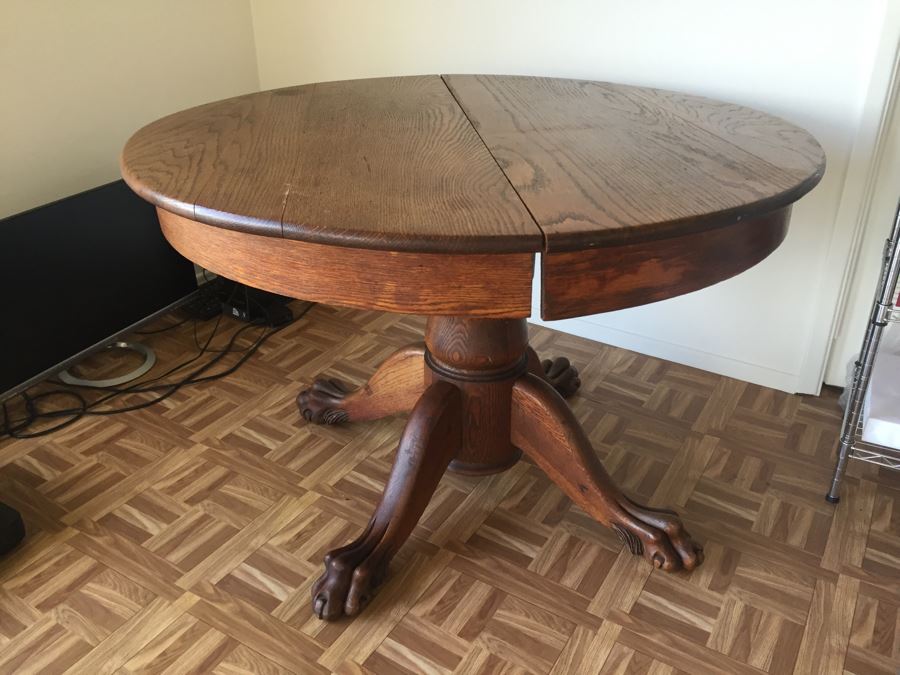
pixel 77 78
pixel 809 61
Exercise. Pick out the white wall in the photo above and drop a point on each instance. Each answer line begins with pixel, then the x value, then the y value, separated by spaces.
pixel 880 217
pixel 806 60
pixel 77 78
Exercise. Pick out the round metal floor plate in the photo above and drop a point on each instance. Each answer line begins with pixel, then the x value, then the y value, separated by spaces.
pixel 149 360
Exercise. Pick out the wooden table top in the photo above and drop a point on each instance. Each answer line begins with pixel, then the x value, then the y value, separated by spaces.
pixel 472 164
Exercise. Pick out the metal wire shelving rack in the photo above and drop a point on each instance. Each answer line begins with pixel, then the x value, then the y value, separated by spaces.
pixel 884 312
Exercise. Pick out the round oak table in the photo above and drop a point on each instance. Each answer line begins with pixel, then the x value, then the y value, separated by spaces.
pixel 431 195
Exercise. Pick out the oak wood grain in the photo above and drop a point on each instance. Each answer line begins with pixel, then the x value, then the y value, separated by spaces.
pixel 599 164
pixel 394 388
pixel 575 283
pixel 766 136
pixel 484 285
pixel 430 439
pixel 224 161
pixel 483 359
pixel 633 194
pixel 546 429
pixel 388 163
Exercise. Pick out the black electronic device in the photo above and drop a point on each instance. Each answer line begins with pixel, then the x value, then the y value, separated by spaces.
pixel 77 273
pixel 256 306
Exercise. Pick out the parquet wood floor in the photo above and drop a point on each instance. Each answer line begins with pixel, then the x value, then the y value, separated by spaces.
pixel 184 537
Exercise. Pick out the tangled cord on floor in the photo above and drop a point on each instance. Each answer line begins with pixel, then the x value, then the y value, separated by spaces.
pixel 33 412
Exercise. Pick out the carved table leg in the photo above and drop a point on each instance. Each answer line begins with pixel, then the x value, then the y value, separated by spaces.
pixel 487 397
pixel 561 374
pixel 545 428
pixel 394 388
pixel 430 439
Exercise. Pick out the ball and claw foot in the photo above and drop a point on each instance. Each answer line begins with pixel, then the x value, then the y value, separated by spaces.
pixel 562 375
pixel 658 535
pixel 322 403
pixel 352 574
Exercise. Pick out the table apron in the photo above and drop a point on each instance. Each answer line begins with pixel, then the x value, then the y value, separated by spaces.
pixel 478 285
pixel 609 278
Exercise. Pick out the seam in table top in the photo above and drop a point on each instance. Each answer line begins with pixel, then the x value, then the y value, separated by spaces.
pixel 544 241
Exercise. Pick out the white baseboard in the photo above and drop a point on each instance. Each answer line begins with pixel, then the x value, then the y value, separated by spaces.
pixel 716 363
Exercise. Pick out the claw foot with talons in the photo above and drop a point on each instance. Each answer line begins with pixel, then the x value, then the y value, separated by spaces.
pixel 352 574
pixel 562 375
pixel 322 402
pixel 658 535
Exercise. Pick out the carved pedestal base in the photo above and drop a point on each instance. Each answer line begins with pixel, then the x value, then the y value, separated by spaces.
pixel 478 397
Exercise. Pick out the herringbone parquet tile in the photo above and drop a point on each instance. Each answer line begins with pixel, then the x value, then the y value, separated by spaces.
pixel 185 537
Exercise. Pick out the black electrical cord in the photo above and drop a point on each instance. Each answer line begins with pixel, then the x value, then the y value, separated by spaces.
pixel 84 408
pixel 13 429
pixel 138 387
pixel 203 290
pixel 248 299
pixel 89 409
pixel 164 328
pixel 201 350
pixel 17 429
